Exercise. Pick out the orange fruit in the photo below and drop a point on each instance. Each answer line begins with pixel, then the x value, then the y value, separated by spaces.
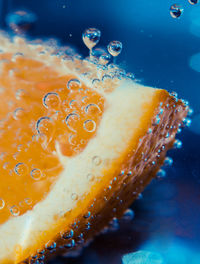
pixel 79 142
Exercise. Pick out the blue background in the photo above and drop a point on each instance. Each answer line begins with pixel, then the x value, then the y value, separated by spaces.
pixel 161 52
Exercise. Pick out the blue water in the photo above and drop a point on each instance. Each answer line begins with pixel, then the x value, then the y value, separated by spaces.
pixel 161 52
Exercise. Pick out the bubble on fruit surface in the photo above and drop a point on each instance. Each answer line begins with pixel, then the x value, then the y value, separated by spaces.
pixel 115 48
pixel 50 245
pixel 96 160
pixel 161 174
pixel 128 214
pixel 71 120
pixel 68 234
pixel 177 144
pixel 176 11
pixel 73 84
pixel 21 21
pixel 51 100
pixel 91 37
pixel 89 125
pixel 43 124
pixel 193 2
pixel 18 113
pixel 15 210
pixel 20 93
pixel 92 109
pixel 168 161
pixel 104 58
pixel 36 174
pixel 21 169
pixel 2 203
pixel 74 196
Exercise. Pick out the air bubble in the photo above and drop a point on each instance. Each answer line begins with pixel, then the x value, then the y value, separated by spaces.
pixel 74 196
pixel 2 203
pixel 50 245
pixel 36 174
pixel 92 109
pixel 168 161
pixel 176 11
pixel 18 113
pixel 115 48
pixel 68 234
pixel 90 177
pixel 177 144
pixel 104 59
pixel 70 120
pixel 21 169
pixel 161 174
pixel 20 93
pixel 15 210
pixel 96 160
pixel 51 100
pixel 91 37
pixel 89 125
pixel 87 215
pixel 128 215
pixel 96 83
pixel 44 125
pixel 187 122
pixel 73 84
pixel 193 2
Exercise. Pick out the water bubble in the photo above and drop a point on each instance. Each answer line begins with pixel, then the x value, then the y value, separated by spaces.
pixel 177 144
pixel 74 196
pixel 73 84
pixel 18 113
pixel 96 160
pixel 71 120
pixel 15 210
pixel 90 177
pixel 51 100
pixel 193 2
pixel 176 11
pixel 70 244
pixel 2 203
pixel 128 214
pixel 28 201
pixel 187 122
pixel 168 161
pixel 20 93
pixel 21 169
pixel 106 77
pixel 36 174
pixel 96 83
pixel 104 58
pixel 21 21
pixel 68 234
pixel 190 112
pixel 161 174
pixel 87 215
pixel 89 125
pixel 157 120
pixel 115 48
pixel 91 37
pixel 50 245
pixel 43 125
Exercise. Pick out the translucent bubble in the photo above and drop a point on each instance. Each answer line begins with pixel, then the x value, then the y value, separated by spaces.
pixel 51 100
pixel 70 244
pixel 18 113
pixel 73 104
pixel 187 122
pixel 92 109
pixel 68 234
pixel 128 214
pixel 89 125
pixel 44 125
pixel 96 83
pixel 2 203
pixel 28 201
pixel 15 210
pixel 71 120
pixel 50 245
pixel 176 11
pixel 21 169
pixel 104 59
pixel 193 2
pixel 115 48
pixel 21 21
pixel 91 37
pixel 73 84
pixel 177 144
pixel 36 174
pixel 74 196
pixel 168 161
pixel 20 93
pixel 87 215
pixel 161 173
pixel 96 160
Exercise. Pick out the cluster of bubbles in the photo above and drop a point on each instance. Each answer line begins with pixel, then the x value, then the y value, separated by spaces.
pixel 176 10
pixel 91 37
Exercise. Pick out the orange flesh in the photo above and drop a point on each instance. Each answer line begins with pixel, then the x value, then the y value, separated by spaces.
pixel 33 123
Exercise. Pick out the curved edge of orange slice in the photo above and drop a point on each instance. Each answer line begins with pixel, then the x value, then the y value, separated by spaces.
pixel 103 180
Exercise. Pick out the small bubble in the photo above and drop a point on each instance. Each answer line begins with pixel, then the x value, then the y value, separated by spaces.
pixel 18 113
pixel 51 100
pixel 70 244
pixel 68 234
pixel 187 122
pixel 21 169
pixel 177 144
pixel 176 11
pixel 96 160
pixel 74 196
pixel 36 174
pixel 91 37
pixel 128 215
pixel 168 161
pixel 193 2
pixel 14 210
pixel 89 125
pixel 87 215
pixel 96 83
pixel 149 131
pixel 71 120
pixel 190 112
pixel 20 93
pixel 28 201
pixel 161 174
pixel 2 203
pixel 157 120
pixel 90 177
pixel 104 59
pixel 115 48
pixel 106 77
pixel 44 125
pixel 50 245
pixel 73 84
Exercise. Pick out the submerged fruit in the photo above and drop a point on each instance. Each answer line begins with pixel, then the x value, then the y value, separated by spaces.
pixel 79 142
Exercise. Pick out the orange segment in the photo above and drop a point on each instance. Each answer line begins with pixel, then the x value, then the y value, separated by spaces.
pixel 73 154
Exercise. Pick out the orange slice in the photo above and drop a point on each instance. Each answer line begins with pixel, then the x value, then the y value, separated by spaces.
pixel 79 142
